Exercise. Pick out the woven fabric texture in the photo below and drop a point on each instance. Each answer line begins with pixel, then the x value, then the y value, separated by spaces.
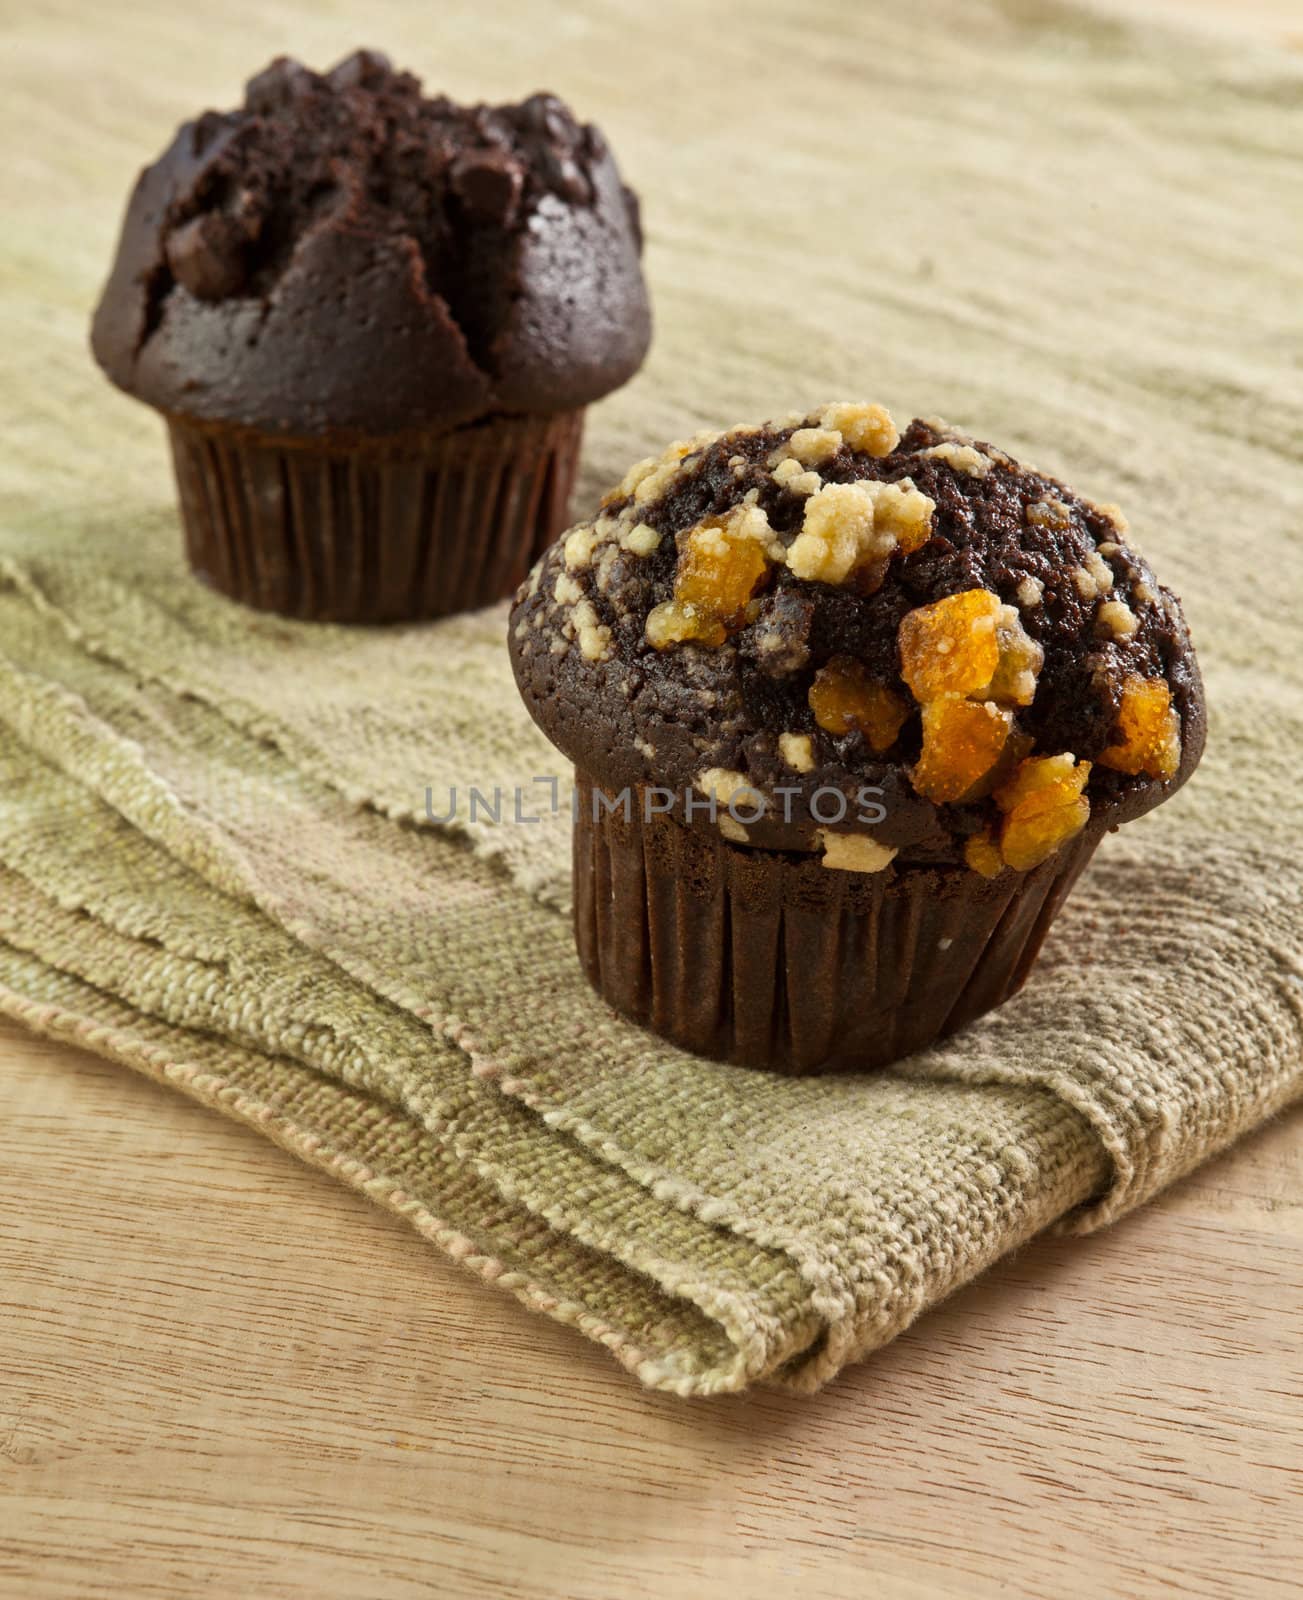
pixel 218 862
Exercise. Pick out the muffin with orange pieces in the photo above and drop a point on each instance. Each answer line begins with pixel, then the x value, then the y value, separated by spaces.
pixel 849 710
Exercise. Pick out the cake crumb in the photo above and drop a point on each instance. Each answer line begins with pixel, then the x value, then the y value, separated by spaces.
pixel 1118 618
pixel 797 750
pixel 641 539
pixel 1094 579
pixel 1115 515
pixel 593 635
pixel 848 525
pixel 813 446
pixel 854 852
pixel 1100 571
pixel 961 457
pixel 790 474
pixel 725 786
pixel 864 427
pixel 582 541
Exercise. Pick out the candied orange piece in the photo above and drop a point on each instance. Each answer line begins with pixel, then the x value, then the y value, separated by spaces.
pixel 1039 826
pixel 1063 774
pixel 983 854
pixel 1021 659
pixel 1149 731
pixel 720 566
pixel 717 576
pixel 963 741
pixel 1044 807
pixel 950 647
pixel 843 698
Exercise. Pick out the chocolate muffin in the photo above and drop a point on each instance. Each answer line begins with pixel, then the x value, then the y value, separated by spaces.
pixel 849 712
pixel 372 321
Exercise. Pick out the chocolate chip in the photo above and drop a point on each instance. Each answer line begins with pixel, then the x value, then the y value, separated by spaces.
pixel 488 125
pixel 360 70
pixel 489 183
pixel 565 177
pixel 205 129
pixel 206 255
pixel 544 114
pixel 277 85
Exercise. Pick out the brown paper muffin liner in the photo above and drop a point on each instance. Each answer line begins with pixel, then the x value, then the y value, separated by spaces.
pixel 379 530
pixel 770 959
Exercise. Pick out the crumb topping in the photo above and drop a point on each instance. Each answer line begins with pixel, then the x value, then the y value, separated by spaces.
pixel 797 750
pixel 854 852
pixel 962 457
pixel 1118 617
pixel 790 474
pixel 864 427
pixel 849 525
pixel 641 539
pixel 926 617
pixel 1094 578
pixel 1113 514
pixel 811 447
pixel 593 635
pixel 581 542
pixel 728 788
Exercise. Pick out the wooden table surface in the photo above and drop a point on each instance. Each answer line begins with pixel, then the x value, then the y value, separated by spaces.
pixel 193 1405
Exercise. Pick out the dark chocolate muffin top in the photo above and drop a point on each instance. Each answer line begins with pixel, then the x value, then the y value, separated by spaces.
pixel 343 255
pixel 864 643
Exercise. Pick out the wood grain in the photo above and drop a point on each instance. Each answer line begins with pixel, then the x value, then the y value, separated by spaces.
pixel 192 1405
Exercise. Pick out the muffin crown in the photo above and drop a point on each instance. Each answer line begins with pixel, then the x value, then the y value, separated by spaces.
pixel 822 605
pixel 344 254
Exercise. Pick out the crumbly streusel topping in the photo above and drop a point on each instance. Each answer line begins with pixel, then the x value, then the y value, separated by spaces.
pixel 826 598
